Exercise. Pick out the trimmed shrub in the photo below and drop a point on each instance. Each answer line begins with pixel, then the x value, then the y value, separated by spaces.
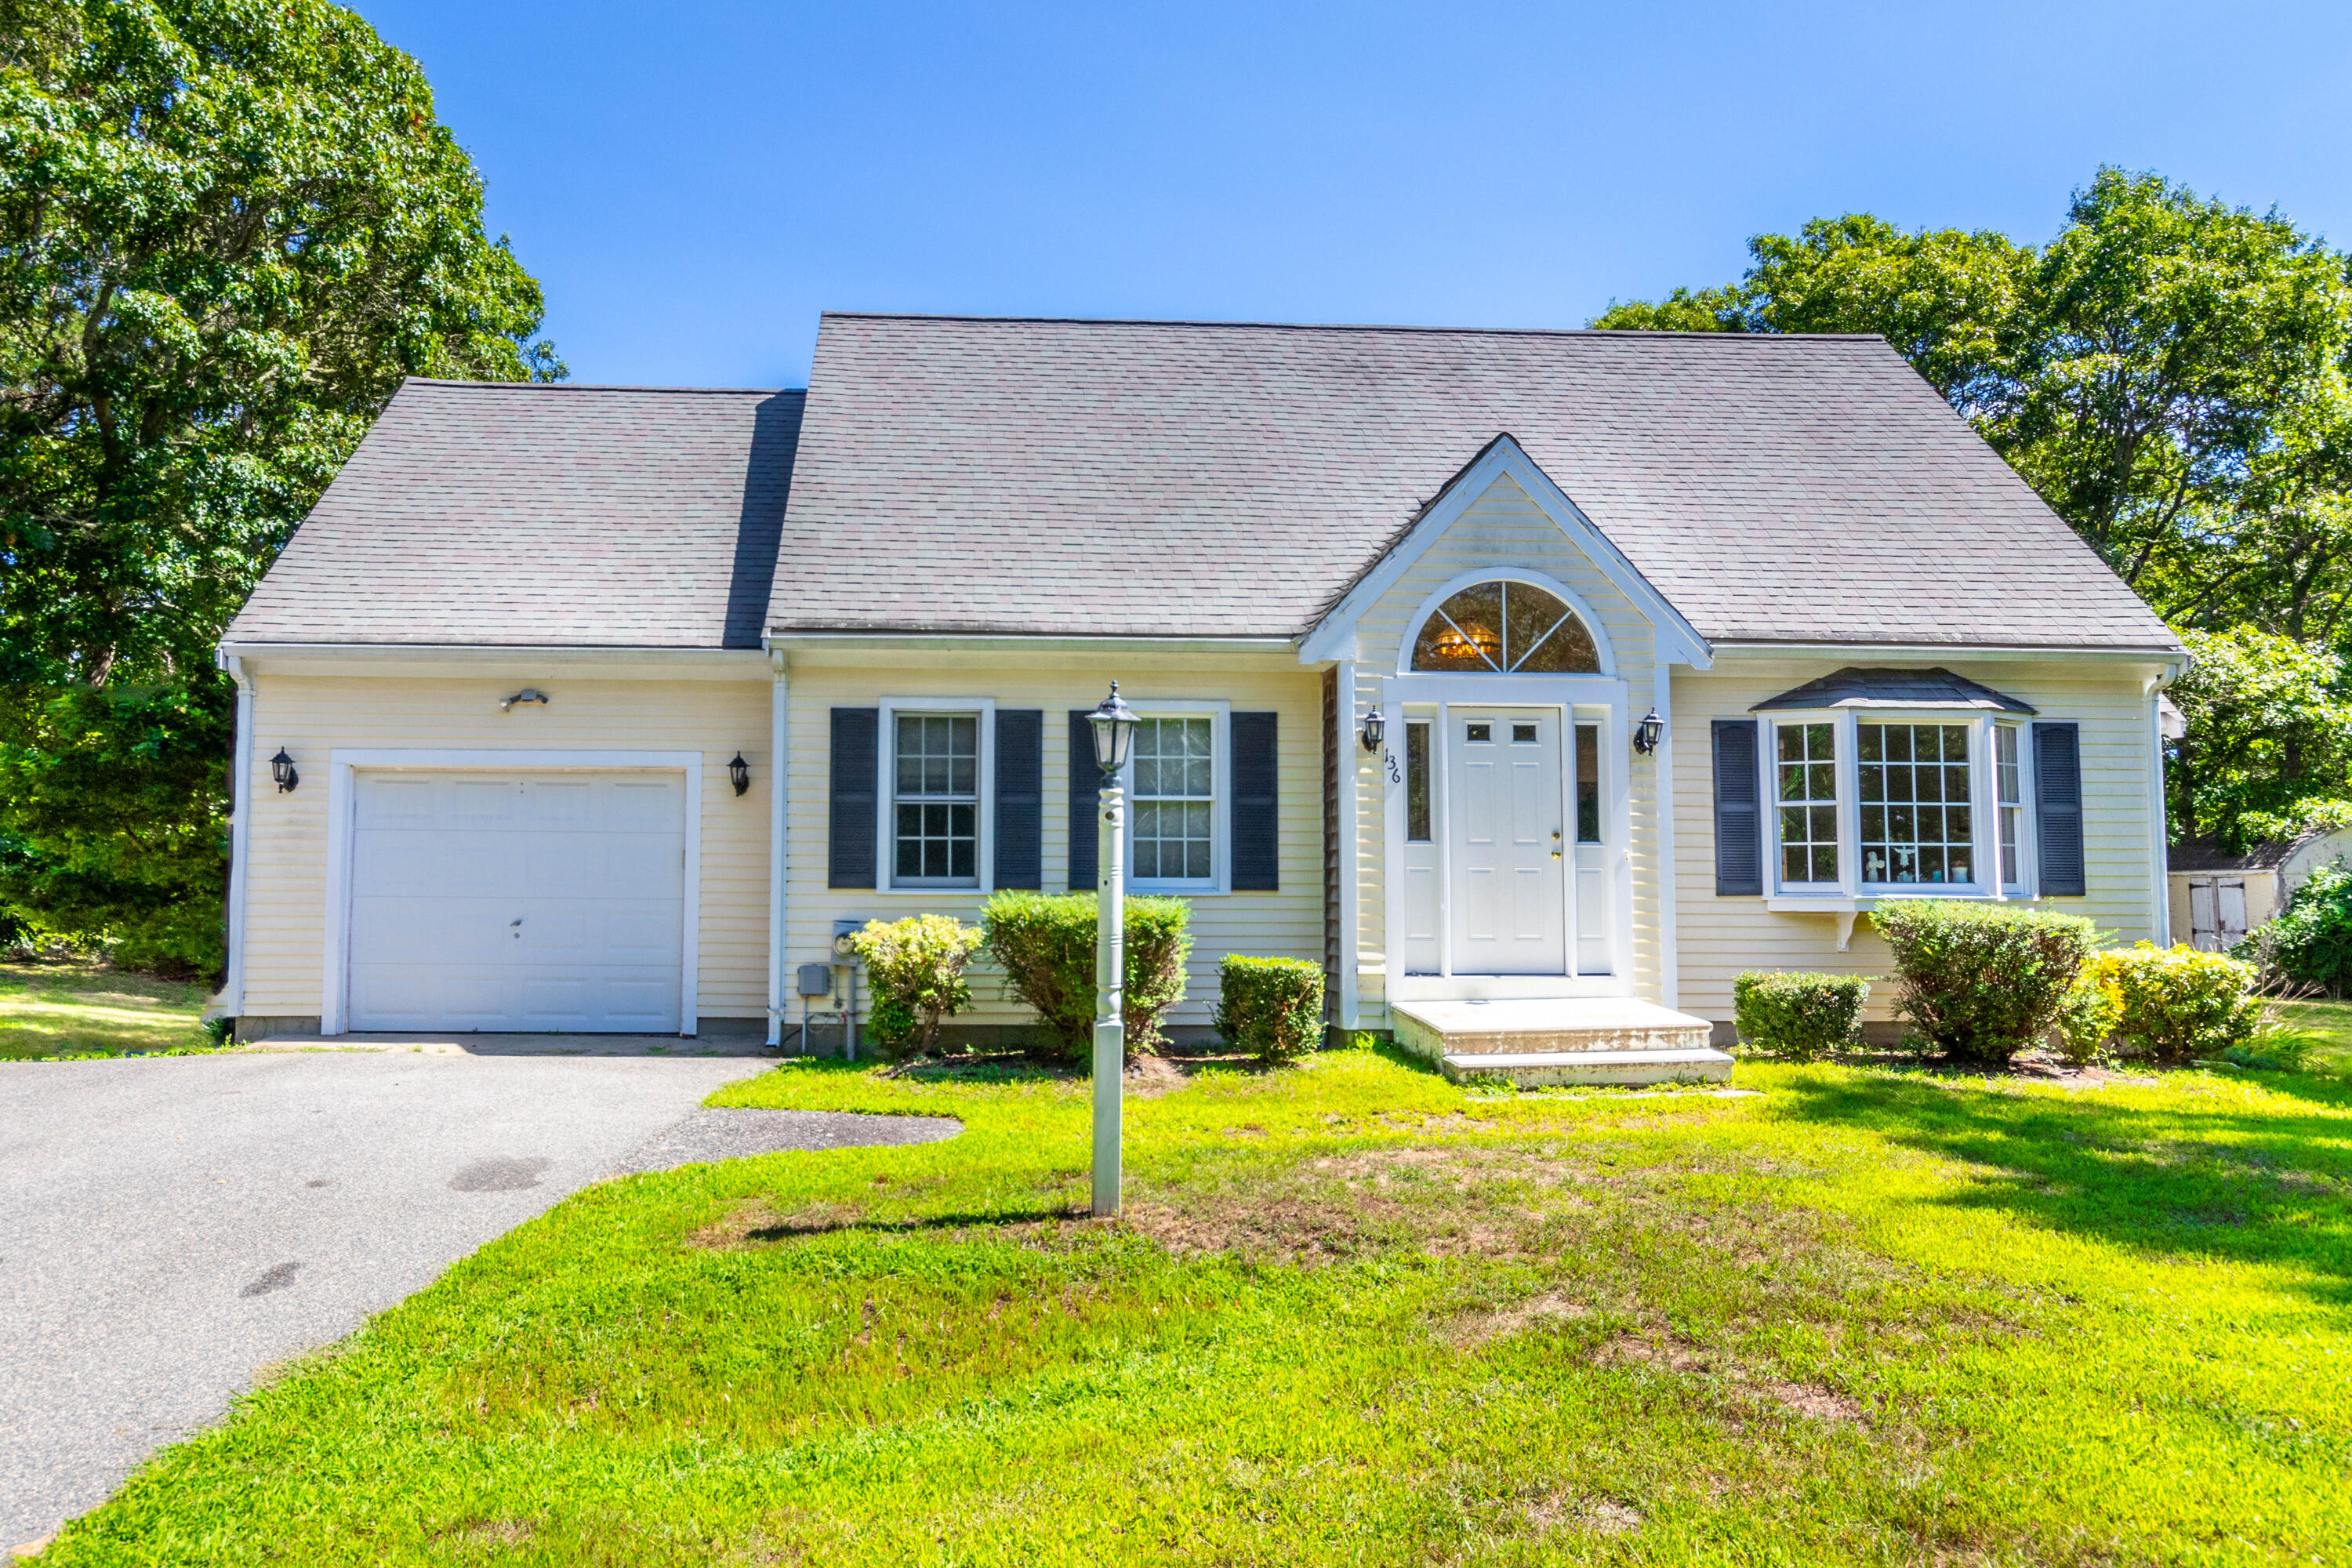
pixel 1271 1007
pixel 915 969
pixel 2088 1017
pixel 1981 982
pixel 1797 1015
pixel 1045 945
pixel 2178 1004
pixel 2310 944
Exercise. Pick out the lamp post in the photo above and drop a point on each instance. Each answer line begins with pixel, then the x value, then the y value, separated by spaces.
pixel 1114 726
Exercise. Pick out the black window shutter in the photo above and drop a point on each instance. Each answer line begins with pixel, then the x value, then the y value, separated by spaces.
pixel 1257 823
pixel 2058 807
pixel 1739 814
pixel 1086 785
pixel 856 822
pixel 1020 796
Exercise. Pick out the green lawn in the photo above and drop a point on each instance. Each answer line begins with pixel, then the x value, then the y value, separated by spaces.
pixel 1357 1315
pixel 65 1006
pixel 2330 1025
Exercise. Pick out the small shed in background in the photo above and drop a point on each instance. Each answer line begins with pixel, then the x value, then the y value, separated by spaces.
pixel 2217 898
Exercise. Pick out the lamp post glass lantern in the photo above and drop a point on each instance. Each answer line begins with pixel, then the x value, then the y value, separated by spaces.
pixel 1114 726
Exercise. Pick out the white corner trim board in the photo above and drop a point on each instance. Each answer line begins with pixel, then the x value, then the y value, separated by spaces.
pixel 240 834
pixel 334 999
pixel 779 750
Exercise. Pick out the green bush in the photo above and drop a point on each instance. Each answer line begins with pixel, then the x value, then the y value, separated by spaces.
pixel 1798 1017
pixel 2311 943
pixel 2178 1004
pixel 2087 1017
pixel 915 969
pixel 1981 982
pixel 1045 945
pixel 1271 1007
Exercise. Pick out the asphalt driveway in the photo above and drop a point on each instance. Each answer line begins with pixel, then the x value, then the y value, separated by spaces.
pixel 170 1227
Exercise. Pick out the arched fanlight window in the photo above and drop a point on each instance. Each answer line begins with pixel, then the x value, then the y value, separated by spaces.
pixel 1493 628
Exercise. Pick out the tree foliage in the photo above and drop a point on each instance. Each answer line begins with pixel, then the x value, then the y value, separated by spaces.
pixel 2169 374
pixel 2269 749
pixel 227 229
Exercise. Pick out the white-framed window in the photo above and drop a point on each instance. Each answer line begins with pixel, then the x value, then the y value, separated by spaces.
pixel 1805 802
pixel 2009 798
pixel 1917 816
pixel 1874 803
pixel 937 763
pixel 1178 813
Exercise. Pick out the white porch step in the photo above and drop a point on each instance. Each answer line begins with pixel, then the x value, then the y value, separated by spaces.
pixel 1584 1039
pixel 1535 1069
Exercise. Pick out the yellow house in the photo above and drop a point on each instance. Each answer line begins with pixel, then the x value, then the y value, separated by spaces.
pixel 1535 684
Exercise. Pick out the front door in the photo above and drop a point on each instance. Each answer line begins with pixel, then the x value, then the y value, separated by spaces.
pixel 1508 826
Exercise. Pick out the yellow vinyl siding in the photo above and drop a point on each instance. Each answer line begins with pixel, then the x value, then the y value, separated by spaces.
pixel 1288 922
pixel 1503 528
pixel 312 716
pixel 1719 937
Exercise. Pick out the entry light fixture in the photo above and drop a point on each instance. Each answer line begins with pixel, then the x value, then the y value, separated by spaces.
pixel 1649 732
pixel 1114 723
pixel 739 772
pixel 282 768
pixel 1375 726
pixel 527 694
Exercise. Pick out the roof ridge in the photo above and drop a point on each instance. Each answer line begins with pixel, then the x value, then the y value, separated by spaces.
pixel 601 386
pixel 1354 326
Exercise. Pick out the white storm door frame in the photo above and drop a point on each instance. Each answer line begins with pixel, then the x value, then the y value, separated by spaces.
pixel 1438 697
pixel 334 997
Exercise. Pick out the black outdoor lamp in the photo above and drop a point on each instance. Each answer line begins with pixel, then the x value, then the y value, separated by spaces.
pixel 1375 726
pixel 1114 723
pixel 1649 732
pixel 739 772
pixel 282 768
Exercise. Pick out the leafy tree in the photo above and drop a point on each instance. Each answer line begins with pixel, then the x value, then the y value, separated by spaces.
pixel 2268 749
pixel 2168 373
pixel 227 229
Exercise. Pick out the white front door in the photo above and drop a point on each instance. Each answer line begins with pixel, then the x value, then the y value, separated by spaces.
pixel 1507 841
pixel 531 901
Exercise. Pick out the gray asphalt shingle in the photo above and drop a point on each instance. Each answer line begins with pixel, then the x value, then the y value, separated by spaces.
pixel 1174 478
pixel 499 513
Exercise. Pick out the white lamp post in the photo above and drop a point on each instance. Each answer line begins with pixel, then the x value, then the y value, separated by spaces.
pixel 1114 725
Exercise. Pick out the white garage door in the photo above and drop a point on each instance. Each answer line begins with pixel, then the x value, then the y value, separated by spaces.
pixel 521 901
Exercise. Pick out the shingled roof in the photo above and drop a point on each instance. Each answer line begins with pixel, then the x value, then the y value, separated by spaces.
pixel 1190 480
pixel 1142 479
pixel 499 513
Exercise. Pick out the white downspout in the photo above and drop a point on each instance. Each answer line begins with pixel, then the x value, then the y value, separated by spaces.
pixel 240 834
pixel 1350 830
pixel 1663 759
pixel 2160 880
pixel 779 773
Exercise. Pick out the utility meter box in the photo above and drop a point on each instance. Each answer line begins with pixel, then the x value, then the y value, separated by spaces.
pixel 816 980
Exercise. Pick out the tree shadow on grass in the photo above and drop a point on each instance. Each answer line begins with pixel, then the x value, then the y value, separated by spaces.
pixel 2227 1185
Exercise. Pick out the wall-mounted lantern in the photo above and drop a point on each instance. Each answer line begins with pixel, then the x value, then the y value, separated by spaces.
pixel 282 768
pixel 527 694
pixel 1649 732
pixel 738 773
pixel 1375 726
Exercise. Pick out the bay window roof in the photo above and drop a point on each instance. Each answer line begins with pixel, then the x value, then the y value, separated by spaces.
pixel 1856 687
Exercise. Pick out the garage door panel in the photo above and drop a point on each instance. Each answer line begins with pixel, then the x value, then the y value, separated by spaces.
pixel 443 866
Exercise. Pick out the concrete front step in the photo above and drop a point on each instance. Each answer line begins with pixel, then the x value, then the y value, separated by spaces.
pixel 1583 1039
pixel 1541 1069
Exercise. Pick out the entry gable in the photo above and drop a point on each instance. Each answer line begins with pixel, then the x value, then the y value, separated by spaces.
pixel 1503 458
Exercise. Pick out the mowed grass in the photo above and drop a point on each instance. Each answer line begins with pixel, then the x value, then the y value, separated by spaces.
pixel 1356 1315
pixel 70 1006
pixel 2329 1026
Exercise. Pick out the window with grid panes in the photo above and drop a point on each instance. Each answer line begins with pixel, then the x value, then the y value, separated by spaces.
pixel 2009 794
pixel 1805 791
pixel 1915 819
pixel 1175 800
pixel 935 799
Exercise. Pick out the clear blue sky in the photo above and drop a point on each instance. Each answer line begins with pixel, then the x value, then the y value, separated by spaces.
pixel 694 180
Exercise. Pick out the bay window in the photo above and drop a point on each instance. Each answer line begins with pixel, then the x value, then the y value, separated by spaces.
pixel 1875 803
